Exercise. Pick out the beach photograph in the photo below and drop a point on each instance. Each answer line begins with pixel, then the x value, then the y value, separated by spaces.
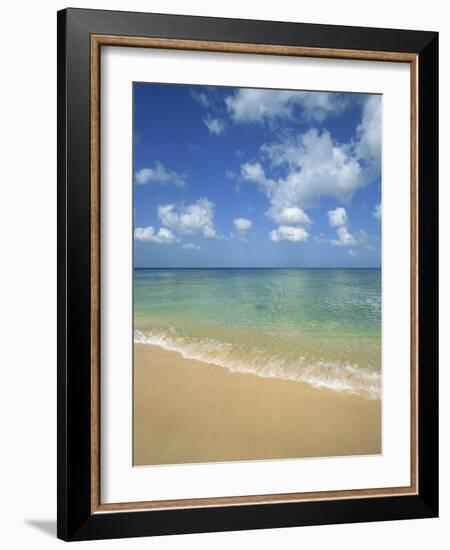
pixel 257 278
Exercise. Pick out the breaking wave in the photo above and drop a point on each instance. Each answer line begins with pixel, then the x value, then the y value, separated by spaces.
pixel 320 374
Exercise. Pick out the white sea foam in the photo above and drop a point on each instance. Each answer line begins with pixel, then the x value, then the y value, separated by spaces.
pixel 320 374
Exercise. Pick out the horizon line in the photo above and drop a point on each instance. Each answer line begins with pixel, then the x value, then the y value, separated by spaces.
pixel 268 267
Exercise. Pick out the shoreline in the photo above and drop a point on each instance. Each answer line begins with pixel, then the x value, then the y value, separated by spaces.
pixel 324 373
pixel 188 411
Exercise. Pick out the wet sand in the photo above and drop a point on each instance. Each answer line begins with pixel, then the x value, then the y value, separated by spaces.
pixel 187 411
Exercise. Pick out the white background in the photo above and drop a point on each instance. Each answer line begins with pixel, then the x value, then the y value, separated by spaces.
pixel 28 246
pixel 119 481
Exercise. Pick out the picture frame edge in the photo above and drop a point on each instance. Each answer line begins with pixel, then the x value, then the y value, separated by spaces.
pixel 78 517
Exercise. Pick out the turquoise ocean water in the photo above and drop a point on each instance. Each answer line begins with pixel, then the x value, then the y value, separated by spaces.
pixel 319 326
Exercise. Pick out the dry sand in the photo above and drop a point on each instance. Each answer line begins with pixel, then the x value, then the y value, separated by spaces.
pixel 188 411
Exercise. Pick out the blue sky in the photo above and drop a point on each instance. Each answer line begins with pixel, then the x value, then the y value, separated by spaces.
pixel 240 177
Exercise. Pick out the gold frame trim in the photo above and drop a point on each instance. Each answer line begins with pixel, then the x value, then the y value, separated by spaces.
pixel 97 41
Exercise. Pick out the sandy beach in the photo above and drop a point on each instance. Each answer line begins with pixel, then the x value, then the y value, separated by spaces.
pixel 187 411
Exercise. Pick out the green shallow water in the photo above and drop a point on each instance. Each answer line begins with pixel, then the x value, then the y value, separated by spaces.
pixel 322 326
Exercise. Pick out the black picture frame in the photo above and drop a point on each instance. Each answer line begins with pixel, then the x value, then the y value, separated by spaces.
pixel 75 518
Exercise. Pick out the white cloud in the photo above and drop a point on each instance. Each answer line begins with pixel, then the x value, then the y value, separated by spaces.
pixel 284 209
pixel 242 224
pixel 315 167
pixel 159 174
pixel 189 218
pixel 311 165
pixel 256 105
pixel 252 105
pixel 352 253
pixel 148 234
pixel 368 143
pixel 377 212
pixel 290 215
pixel 344 237
pixel 337 217
pixel 254 172
pixel 201 97
pixel 319 105
pixel 287 233
pixel 215 126
pixel 190 246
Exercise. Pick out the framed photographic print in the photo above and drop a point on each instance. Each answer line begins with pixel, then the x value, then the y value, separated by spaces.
pixel 247 274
